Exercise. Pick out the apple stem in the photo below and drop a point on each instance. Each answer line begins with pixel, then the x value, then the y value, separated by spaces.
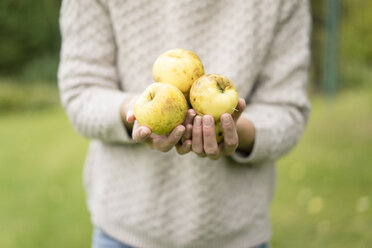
pixel 220 87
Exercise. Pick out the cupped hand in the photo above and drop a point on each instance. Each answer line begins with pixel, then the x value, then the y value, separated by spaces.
pixel 204 141
pixel 179 137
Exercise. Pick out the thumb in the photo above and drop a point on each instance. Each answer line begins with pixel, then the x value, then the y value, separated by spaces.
pixel 130 117
pixel 239 109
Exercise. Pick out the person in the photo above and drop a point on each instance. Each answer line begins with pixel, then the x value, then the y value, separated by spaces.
pixel 184 189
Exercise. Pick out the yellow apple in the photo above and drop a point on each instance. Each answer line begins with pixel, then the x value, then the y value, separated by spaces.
pixel 161 107
pixel 178 67
pixel 219 131
pixel 213 94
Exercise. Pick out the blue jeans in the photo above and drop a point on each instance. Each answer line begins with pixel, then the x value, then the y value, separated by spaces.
pixel 102 240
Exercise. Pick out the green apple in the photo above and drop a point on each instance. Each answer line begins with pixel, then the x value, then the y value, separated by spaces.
pixel 214 95
pixel 178 67
pixel 161 107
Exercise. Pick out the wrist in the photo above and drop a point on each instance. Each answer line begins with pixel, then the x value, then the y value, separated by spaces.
pixel 246 133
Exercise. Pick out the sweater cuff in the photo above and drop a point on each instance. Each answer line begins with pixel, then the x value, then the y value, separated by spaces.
pixel 260 150
pixel 116 130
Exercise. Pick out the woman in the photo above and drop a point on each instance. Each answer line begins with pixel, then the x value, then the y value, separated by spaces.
pixel 150 196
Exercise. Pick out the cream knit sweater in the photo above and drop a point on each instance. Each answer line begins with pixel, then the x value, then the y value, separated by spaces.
pixel 150 199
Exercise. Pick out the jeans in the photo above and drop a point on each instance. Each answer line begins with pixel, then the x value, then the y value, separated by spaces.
pixel 102 240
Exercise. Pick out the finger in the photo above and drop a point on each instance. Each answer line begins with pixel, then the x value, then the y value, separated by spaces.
pixel 184 147
pixel 188 124
pixel 230 142
pixel 215 156
pixel 220 153
pixel 209 137
pixel 239 109
pixel 189 117
pixel 130 117
pixel 197 136
pixel 128 109
pixel 188 133
pixel 155 140
pixel 140 133
pixel 175 136
pixel 159 142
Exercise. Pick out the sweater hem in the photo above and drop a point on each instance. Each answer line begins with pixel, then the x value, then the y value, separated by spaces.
pixel 143 240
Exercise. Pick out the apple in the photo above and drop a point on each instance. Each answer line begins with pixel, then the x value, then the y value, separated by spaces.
pixel 213 94
pixel 178 67
pixel 161 107
pixel 219 131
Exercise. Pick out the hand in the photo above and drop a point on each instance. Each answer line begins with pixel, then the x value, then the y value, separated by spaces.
pixel 163 143
pixel 143 134
pixel 204 138
pixel 184 145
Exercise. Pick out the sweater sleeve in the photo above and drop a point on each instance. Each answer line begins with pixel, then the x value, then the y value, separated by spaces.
pixel 88 79
pixel 278 107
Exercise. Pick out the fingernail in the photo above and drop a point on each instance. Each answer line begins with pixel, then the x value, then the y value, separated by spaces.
pixel 226 119
pixel 143 133
pixel 198 121
pixel 191 113
pixel 207 121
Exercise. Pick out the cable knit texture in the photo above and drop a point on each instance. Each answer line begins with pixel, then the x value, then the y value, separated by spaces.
pixel 150 199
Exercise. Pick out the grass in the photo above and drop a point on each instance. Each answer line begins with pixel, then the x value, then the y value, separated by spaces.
pixel 323 197
pixel 324 187
pixel 42 200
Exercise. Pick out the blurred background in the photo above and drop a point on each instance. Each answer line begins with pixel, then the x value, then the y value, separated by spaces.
pixel 324 189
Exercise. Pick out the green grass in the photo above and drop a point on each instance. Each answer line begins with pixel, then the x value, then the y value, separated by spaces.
pixel 323 197
pixel 42 199
pixel 324 189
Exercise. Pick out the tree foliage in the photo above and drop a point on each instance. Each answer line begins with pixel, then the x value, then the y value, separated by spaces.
pixel 317 41
pixel 30 39
pixel 355 39
pixel 28 31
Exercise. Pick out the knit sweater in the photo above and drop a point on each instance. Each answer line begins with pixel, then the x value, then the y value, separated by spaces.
pixel 149 199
